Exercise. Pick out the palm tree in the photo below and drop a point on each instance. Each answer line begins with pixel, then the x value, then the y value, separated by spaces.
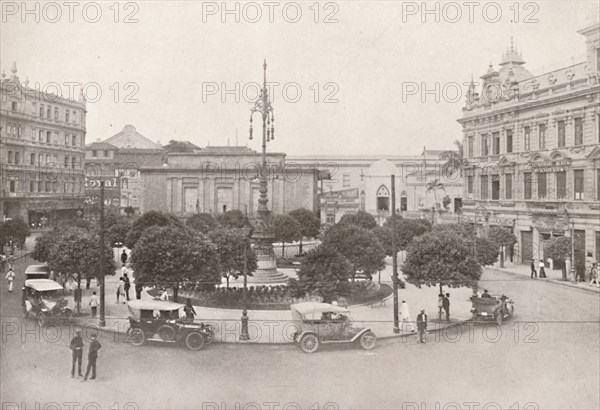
pixel 434 186
pixel 455 160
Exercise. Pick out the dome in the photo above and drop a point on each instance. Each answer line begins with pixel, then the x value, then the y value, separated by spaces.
pixel 381 168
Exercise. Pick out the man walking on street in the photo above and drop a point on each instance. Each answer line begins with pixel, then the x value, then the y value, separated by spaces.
pixel 94 303
pixel 126 286
pixel 124 257
pixel 440 304
pixel 11 260
pixel 533 271
pixel 138 290
pixel 10 277
pixel 422 325
pixel 446 306
pixel 92 357
pixel 77 348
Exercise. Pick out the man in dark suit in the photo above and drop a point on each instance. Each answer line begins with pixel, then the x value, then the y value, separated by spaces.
pixel 422 325
pixel 77 348
pixel 92 357
pixel 446 306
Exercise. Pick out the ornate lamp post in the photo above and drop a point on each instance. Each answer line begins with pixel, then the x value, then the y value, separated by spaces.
pixel 244 336
pixel 262 234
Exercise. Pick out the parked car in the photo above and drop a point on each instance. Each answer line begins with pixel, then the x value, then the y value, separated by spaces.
pixel 41 299
pixel 37 272
pixel 495 307
pixel 165 321
pixel 322 323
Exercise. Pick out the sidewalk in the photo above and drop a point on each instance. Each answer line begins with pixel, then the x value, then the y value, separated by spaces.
pixel 553 276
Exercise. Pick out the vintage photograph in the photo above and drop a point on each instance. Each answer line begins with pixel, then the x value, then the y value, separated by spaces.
pixel 418 230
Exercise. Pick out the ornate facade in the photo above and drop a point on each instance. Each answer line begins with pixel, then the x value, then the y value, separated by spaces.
pixel 532 143
pixel 42 140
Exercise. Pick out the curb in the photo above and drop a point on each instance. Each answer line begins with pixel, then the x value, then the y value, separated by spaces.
pixel 546 280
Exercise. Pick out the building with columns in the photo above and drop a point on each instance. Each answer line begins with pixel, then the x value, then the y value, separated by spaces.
pixel 532 142
pixel 42 140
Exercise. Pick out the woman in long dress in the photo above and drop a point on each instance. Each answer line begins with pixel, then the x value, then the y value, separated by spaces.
pixel 405 317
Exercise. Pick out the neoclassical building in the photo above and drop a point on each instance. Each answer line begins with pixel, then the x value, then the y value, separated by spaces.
pixel 532 142
pixel 42 140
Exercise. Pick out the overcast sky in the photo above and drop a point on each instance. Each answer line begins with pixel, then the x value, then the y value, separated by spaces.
pixel 177 54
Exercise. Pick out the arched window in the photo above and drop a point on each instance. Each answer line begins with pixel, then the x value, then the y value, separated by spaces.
pixel 383 198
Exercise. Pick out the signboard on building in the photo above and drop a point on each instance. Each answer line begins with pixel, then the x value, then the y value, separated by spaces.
pixel 112 191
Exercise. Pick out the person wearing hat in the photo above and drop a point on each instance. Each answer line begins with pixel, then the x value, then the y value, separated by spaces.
pixel 446 306
pixel 422 325
pixel 486 294
pixel 10 278
pixel 92 357
pixel 77 348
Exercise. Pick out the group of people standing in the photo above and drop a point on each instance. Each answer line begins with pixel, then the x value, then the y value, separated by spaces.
pixel 421 320
pixel 76 347
pixel 542 272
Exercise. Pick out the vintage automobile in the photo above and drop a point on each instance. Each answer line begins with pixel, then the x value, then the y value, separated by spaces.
pixel 324 323
pixel 37 272
pixel 165 321
pixel 495 307
pixel 42 298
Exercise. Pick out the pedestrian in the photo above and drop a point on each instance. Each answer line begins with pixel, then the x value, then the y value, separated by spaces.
pixel 138 290
pixel 11 260
pixel 94 303
pixel 10 277
pixel 126 285
pixel 405 317
pixel 70 283
pixel 533 271
pixel 594 274
pixel 92 357
pixel 52 275
pixel 124 270
pixel 189 310
pixel 446 306
pixel 422 325
pixel 486 294
pixel 120 290
pixel 542 271
pixel 124 257
pixel 77 348
pixel 2 262
pixel 440 304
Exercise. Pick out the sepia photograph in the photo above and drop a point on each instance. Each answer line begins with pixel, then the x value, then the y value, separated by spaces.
pixel 418 230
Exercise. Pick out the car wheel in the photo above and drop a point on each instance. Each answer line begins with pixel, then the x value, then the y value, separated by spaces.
pixel 136 336
pixel 42 319
pixel 309 343
pixel 194 341
pixel 499 318
pixel 166 333
pixel 368 340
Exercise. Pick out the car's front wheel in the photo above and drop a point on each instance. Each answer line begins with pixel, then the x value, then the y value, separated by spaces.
pixel 309 343
pixel 166 333
pixel 136 336
pixel 42 319
pixel 368 340
pixel 194 341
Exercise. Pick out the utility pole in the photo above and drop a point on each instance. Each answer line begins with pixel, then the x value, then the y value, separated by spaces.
pixel 101 261
pixel 395 257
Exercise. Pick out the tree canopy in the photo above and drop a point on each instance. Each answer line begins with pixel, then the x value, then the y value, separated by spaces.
pixel 15 229
pixel 310 224
pixel 285 229
pixel 362 219
pixel 202 222
pixel 324 272
pixel 169 255
pixel 230 244
pixel 502 236
pixel 233 219
pixel 360 246
pixel 147 220
pixel 406 230
pixel 443 258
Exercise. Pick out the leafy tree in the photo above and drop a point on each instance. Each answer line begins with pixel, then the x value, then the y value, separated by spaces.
pixel 15 230
pixel 233 219
pixel 324 272
pixel 179 146
pixel 362 219
pixel 147 220
pixel 443 258
pixel 503 238
pixel 559 249
pixel 202 222
pixel 486 251
pixel 434 186
pixel 285 229
pixel 230 244
pixel 384 236
pixel 446 202
pixel 482 249
pixel 360 246
pixel 169 256
pixel 406 230
pixel 310 224
pixel 465 230
pixel 455 160
pixel 116 229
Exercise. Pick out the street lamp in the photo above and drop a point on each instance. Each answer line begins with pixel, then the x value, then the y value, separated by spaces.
pixel 572 223
pixel 244 336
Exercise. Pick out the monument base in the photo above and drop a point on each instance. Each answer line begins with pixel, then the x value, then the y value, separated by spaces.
pixel 267 272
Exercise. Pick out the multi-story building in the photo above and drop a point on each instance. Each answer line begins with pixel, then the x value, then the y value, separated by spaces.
pixel 532 143
pixel 42 140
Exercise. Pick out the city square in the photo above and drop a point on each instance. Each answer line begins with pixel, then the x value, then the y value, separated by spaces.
pixel 165 243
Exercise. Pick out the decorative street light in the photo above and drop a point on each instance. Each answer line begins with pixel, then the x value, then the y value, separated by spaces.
pixel 244 336
pixel 262 234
